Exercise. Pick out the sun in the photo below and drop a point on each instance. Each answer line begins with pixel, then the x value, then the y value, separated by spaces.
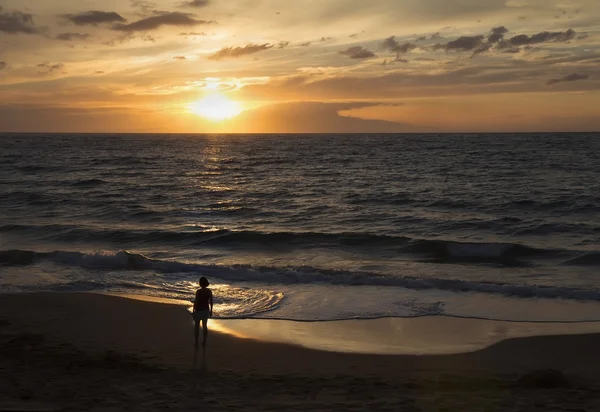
pixel 216 107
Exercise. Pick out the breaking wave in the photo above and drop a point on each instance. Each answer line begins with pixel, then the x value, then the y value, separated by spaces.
pixel 438 250
pixel 124 260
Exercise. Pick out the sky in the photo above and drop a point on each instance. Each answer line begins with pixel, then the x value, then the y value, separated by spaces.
pixel 310 66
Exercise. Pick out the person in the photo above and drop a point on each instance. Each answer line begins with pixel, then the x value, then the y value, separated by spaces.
pixel 203 309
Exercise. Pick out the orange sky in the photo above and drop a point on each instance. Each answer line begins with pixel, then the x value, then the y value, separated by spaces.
pixel 194 66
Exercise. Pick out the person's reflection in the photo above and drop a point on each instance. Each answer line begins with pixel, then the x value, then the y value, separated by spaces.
pixel 203 364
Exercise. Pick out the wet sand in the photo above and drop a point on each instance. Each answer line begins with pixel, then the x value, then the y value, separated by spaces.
pixel 98 352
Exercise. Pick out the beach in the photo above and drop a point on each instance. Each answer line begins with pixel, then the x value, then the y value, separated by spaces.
pixel 73 351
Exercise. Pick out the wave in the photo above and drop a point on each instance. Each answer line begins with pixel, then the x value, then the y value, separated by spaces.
pixel 124 260
pixel 586 259
pixel 457 251
pixel 89 183
pixel 440 251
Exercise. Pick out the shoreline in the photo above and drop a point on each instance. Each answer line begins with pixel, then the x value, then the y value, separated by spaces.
pixel 102 352
pixel 418 335
pixel 163 332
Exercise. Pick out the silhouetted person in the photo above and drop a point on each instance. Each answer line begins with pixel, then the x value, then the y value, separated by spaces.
pixel 203 309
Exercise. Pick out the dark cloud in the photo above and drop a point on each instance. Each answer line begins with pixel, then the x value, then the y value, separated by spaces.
pixel 15 22
pixel 50 68
pixel 358 52
pixel 234 52
pixel 421 38
pixel 179 58
pixel 3 65
pixel 305 44
pixel 497 34
pixel 94 18
pixel 283 44
pixel 543 37
pixel 313 117
pixel 392 45
pixel 496 40
pixel 72 36
pixel 465 43
pixel 193 34
pixel 569 78
pixel 165 19
pixel 324 39
pixel 483 47
pixel 197 3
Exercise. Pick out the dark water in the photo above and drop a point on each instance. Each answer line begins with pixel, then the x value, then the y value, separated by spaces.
pixel 311 227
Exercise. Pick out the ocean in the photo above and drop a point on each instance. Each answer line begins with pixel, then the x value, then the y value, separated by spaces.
pixel 310 227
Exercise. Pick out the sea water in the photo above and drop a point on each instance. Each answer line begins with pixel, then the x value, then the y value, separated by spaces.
pixel 310 227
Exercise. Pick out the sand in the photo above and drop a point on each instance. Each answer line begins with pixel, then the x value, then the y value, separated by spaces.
pixel 97 352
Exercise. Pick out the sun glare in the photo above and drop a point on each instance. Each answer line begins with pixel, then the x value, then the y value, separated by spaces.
pixel 216 107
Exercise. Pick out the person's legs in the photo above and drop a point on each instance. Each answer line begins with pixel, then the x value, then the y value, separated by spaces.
pixel 204 330
pixel 196 330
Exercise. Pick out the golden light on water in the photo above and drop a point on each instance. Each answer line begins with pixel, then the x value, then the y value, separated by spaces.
pixel 216 107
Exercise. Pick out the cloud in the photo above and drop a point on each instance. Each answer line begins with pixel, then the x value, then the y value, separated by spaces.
pixel 50 68
pixel 94 18
pixel 488 77
pixel 72 36
pixel 234 52
pixel 15 22
pixel 197 3
pixel 146 8
pixel 193 34
pixel 121 39
pixel 3 65
pixel 179 58
pixel 392 45
pixel 569 78
pixel 313 117
pixel 497 34
pixel 358 52
pixel 165 19
pixel 496 40
pixel 465 43
pixel 543 37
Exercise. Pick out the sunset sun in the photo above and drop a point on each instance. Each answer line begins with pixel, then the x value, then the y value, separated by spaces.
pixel 216 107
